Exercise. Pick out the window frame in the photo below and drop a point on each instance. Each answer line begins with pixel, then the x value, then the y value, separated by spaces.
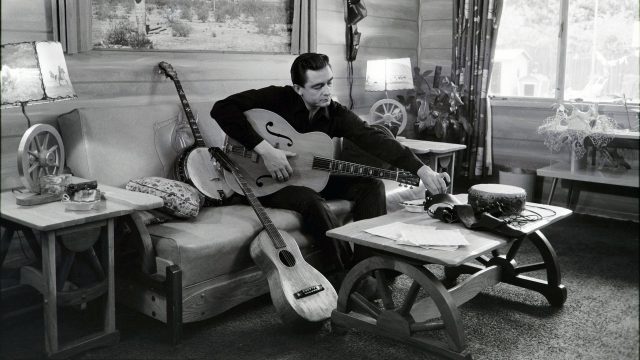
pixel 537 101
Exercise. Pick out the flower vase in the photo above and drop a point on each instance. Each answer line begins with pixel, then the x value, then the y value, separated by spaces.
pixel 577 163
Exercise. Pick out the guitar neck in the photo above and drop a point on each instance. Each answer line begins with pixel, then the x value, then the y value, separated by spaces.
pixel 342 167
pixel 348 168
pixel 193 124
pixel 271 229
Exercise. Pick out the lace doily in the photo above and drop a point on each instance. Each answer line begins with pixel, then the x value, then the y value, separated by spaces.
pixel 571 127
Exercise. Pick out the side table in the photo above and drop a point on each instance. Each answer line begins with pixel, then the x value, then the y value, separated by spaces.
pixel 77 231
pixel 440 156
pixel 426 310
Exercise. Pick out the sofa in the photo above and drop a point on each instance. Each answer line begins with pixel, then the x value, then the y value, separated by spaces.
pixel 182 270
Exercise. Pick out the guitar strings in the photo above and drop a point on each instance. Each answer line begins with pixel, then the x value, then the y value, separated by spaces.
pixel 269 227
pixel 326 163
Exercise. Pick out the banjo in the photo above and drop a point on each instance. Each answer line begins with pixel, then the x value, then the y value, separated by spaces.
pixel 195 166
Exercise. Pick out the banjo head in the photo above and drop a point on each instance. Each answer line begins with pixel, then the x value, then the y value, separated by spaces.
pixel 206 175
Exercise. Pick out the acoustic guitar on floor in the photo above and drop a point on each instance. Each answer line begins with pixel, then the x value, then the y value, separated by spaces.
pixel 312 165
pixel 300 293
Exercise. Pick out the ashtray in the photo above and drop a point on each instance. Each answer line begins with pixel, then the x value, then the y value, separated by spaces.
pixel 70 204
pixel 416 206
pixel 80 205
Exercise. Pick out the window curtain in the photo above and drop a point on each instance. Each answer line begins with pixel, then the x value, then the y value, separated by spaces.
pixel 303 34
pixel 71 21
pixel 475 33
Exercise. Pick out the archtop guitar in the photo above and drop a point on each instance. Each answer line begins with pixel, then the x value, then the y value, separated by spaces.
pixel 312 164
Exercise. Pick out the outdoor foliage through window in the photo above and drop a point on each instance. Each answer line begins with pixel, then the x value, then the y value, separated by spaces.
pixel 602 50
pixel 219 25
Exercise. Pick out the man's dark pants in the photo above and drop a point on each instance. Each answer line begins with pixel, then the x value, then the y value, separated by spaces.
pixel 369 200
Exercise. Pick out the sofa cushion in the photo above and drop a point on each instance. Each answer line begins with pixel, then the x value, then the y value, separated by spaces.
pixel 180 199
pixel 115 144
pixel 217 241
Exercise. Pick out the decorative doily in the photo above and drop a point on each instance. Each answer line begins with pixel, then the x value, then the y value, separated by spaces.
pixel 571 127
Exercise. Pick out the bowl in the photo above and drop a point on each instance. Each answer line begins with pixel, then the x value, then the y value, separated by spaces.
pixel 416 206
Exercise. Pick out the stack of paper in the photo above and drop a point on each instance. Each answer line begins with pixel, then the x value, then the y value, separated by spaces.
pixel 427 237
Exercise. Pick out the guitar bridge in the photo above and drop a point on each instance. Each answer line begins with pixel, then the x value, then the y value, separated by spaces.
pixel 308 291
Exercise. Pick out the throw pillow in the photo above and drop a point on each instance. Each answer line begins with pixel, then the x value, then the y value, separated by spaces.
pixel 180 199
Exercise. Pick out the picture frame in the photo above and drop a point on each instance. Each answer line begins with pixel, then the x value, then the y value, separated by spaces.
pixel 260 26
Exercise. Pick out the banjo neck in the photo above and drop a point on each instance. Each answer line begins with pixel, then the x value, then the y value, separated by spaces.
pixel 193 124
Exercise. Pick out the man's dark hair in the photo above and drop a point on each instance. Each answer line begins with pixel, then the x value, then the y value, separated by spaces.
pixel 304 62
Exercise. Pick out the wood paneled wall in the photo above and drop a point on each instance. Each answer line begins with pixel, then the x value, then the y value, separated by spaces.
pixel 390 30
pixel 436 29
pixel 114 78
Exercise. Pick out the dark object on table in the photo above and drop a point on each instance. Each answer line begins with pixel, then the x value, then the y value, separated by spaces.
pixel 87 185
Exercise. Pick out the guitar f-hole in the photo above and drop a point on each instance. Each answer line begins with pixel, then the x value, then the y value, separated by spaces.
pixel 270 124
pixel 259 182
pixel 287 258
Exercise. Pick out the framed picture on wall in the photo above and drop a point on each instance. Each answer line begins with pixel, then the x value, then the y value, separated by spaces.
pixel 204 25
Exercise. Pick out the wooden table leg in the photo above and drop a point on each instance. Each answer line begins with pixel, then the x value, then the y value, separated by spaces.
pixel 45 282
pixel 513 273
pixel 5 242
pixel 552 289
pixel 50 293
pixel 570 194
pixel 553 190
pixel 411 319
pixel 110 315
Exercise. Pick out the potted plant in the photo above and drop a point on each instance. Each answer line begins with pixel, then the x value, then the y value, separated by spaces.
pixel 434 103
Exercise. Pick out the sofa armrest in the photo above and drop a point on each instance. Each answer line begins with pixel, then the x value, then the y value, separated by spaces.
pixel 146 247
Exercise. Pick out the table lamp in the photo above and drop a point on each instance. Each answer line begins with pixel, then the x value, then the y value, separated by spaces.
pixel 384 75
pixel 34 73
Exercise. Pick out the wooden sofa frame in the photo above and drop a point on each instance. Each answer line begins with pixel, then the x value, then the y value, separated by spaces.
pixel 153 285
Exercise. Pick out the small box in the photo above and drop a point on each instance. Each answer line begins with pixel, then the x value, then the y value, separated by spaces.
pixel 54 184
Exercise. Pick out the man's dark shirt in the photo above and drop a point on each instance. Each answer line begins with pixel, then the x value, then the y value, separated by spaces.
pixel 334 120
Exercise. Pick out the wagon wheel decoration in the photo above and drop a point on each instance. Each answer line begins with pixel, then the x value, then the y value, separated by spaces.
pixel 516 267
pixel 410 315
pixel 40 153
pixel 390 113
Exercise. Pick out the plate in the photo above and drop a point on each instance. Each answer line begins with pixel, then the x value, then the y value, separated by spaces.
pixel 416 206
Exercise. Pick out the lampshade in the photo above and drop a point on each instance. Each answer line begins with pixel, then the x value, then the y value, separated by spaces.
pixel 389 74
pixel 34 72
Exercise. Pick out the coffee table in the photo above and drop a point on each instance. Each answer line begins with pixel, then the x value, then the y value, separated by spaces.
pixel 428 310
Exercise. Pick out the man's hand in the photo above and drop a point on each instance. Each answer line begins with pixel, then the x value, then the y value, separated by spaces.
pixel 275 160
pixel 435 182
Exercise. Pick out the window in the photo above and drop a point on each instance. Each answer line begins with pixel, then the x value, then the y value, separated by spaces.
pixel 266 26
pixel 596 59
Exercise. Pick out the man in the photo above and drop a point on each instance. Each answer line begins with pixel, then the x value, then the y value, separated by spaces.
pixel 307 106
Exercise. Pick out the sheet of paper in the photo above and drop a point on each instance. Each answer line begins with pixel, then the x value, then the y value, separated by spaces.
pixel 419 235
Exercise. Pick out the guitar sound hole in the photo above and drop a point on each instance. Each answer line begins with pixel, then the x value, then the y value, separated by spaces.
pixel 287 258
